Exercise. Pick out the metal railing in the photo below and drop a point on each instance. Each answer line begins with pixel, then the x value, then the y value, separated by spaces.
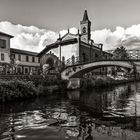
pixel 72 61
pixel 75 61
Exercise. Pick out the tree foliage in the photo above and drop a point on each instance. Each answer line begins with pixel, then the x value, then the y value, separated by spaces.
pixel 120 53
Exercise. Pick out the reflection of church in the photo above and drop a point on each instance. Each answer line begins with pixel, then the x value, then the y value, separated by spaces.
pixel 74 48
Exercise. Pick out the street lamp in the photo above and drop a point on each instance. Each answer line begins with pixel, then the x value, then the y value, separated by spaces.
pixel 59 47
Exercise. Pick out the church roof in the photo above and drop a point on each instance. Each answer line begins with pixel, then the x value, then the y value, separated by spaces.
pixel 94 45
pixel 57 43
pixel 85 17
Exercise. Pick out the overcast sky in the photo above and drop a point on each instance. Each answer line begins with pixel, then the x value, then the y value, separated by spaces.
pixel 113 21
pixel 59 14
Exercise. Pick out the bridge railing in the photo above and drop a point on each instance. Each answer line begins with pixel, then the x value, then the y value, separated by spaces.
pixel 73 61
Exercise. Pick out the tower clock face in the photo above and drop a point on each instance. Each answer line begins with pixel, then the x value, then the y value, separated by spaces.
pixel 84 29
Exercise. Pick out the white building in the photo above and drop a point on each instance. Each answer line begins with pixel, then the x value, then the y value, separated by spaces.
pixel 14 61
pixel 26 62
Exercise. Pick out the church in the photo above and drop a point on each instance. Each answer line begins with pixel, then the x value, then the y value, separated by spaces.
pixel 74 48
pixel 68 49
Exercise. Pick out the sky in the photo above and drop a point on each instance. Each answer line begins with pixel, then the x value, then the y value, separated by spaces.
pixel 36 23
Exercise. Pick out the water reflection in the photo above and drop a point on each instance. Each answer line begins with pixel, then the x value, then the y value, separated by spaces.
pixel 119 100
pixel 76 115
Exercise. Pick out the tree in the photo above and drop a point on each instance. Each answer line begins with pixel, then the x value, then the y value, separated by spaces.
pixel 45 69
pixel 120 53
pixel 13 64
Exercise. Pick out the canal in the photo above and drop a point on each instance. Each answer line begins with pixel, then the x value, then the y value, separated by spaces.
pixel 98 114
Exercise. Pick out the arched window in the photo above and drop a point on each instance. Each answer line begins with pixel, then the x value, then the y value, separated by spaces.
pixel 84 56
pixel 96 55
pixel 63 59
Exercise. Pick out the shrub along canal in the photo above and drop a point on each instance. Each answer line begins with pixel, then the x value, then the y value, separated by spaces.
pixel 98 114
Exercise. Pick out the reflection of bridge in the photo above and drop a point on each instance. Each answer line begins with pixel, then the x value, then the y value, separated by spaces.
pixel 77 70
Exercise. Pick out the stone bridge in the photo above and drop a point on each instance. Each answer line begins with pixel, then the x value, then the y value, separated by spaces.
pixel 76 71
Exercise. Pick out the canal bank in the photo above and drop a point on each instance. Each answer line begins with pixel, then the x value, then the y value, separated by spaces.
pixel 102 81
pixel 99 114
pixel 14 88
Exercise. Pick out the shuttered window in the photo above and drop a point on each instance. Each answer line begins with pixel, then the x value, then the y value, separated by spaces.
pixel 2 43
pixel 2 56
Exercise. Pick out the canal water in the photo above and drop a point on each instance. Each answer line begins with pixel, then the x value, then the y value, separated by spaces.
pixel 99 114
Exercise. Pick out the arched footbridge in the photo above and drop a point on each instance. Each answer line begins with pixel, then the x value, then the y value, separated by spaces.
pixel 76 71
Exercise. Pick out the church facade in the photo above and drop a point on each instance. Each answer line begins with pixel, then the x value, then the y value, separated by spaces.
pixel 68 49
pixel 74 48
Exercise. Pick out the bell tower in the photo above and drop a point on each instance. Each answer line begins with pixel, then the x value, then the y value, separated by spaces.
pixel 85 28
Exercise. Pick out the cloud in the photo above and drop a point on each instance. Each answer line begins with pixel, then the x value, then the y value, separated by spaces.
pixel 129 37
pixel 28 38
pixel 109 39
pixel 72 30
pixel 100 36
pixel 35 39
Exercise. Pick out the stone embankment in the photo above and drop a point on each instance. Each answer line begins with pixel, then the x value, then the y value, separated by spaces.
pixel 101 81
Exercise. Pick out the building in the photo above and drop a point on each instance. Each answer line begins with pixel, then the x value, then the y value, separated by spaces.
pixel 14 61
pixel 74 48
pixel 26 62
pixel 133 54
pixel 68 49
pixel 4 52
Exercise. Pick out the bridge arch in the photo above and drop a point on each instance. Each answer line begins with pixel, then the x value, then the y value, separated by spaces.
pixel 77 71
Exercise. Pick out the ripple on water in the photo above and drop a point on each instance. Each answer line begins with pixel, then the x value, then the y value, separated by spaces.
pixel 74 119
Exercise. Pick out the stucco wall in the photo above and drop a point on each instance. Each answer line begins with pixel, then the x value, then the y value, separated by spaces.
pixel 6 57
pixel 94 54
pixel 29 63
pixel 5 51
pixel 66 51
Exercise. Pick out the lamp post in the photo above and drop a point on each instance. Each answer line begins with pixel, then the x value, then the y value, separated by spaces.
pixel 60 48
pixel 60 53
pixel 135 99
